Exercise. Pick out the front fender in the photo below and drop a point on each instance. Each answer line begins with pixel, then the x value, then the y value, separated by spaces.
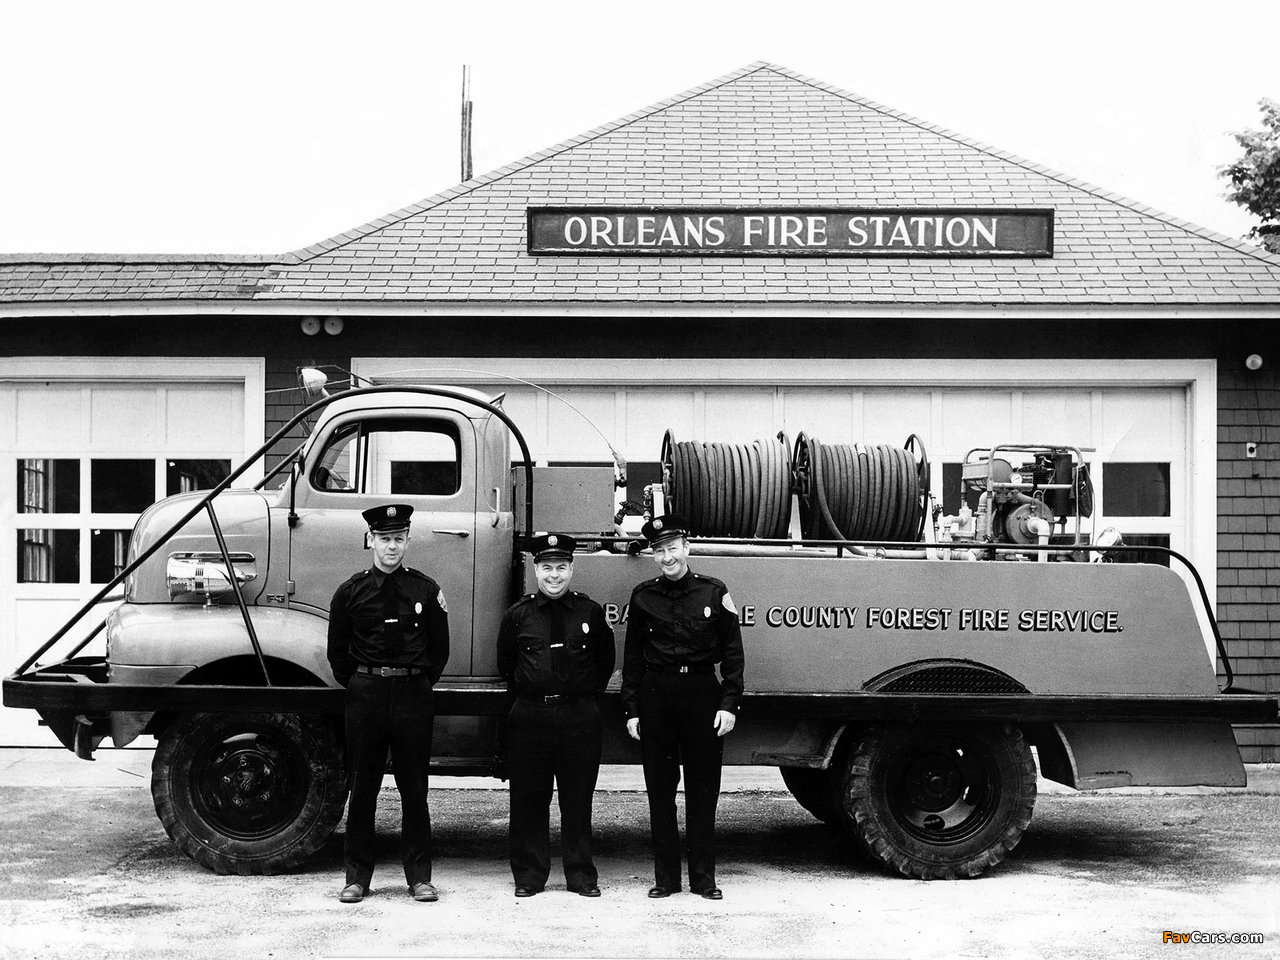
pixel 167 635
pixel 163 643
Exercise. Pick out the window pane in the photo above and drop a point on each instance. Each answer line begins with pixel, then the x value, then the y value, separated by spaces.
pixel 48 486
pixel 639 476
pixel 335 470
pixel 107 549
pixel 1135 489
pixel 122 486
pixel 183 476
pixel 951 473
pixel 48 556
pixel 1143 556
pixel 398 457
pixel 416 461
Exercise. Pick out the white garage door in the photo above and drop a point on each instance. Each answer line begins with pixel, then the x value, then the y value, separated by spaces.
pixel 1151 426
pixel 84 453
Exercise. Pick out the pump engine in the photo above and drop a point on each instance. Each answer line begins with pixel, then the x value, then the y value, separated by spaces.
pixel 1028 491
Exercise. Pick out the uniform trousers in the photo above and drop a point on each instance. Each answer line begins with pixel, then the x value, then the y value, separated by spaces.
pixel 388 715
pixel 560 742
pixel 677 715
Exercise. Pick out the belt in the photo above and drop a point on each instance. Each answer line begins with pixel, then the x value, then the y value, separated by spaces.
pixel 680 668
pixel 552 697
pixel 389 671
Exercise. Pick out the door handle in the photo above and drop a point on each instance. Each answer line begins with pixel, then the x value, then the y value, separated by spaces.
pixel 454 533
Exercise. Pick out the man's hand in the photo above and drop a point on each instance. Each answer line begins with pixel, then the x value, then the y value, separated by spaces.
pixel 723 723
pixel 633 728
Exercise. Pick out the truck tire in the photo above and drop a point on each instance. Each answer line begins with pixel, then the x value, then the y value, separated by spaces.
pixel 248 793
pixel 940 800
pixel 818 791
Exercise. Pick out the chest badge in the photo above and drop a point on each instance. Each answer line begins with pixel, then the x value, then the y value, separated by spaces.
pixel 706 612
pixel 586 627
pixel 417 607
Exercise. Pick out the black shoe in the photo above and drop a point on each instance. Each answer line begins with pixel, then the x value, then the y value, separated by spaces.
pixel 523 891
pixel 711 893
pixel 588 891
pixel 658 891
pixel 352 893
pixel 424 893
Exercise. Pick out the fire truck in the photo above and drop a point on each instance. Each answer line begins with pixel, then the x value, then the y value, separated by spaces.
pixel 909 673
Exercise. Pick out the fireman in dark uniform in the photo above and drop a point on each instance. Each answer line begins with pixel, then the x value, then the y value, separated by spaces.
pixel 388 645
pixel 555 650
pixel 679 626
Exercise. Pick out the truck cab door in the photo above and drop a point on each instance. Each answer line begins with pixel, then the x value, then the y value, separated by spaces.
pixel 423 457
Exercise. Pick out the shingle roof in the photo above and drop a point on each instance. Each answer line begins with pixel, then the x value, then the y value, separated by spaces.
pixel 104 277
pixel 762 135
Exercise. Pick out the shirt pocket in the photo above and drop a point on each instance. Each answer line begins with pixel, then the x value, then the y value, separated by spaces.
pixel 530 644
pixel 578 638
pixel 702 632
pixel 366 627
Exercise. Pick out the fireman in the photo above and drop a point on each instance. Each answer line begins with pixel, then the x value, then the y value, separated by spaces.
pixel 388 645
pixel 679 625
pixel 556 652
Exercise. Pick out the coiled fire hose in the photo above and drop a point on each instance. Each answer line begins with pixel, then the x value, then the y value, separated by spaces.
pixel 729 489
pixel 846 492
pixel 862 492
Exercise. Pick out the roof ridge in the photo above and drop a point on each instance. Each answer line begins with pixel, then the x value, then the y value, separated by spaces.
pixel 139 258
pixel 467 186
pixel 1206 233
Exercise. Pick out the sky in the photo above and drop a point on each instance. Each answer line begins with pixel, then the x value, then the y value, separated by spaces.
pixel 263 127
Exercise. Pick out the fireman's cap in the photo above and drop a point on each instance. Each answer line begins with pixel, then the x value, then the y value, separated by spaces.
pixel 552 546
pixel 388 517
pixel 666 527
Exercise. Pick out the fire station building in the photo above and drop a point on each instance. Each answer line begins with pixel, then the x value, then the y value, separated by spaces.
pixel 763 252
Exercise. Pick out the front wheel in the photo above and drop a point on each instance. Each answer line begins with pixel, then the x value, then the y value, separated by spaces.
pixel 938 800
pixel 249 793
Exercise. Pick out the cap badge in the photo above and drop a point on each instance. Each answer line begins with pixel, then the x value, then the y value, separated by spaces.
pixel 657 524
pixel 391 511
pixel 552 540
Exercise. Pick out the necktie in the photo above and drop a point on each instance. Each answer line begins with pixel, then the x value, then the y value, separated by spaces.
pixel 559 652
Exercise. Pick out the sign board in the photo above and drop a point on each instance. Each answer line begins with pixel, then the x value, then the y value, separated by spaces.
pixel 790 231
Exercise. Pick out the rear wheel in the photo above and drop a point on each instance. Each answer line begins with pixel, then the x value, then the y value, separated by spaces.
pixel 939 801
pixel 818 791
pixel 248 793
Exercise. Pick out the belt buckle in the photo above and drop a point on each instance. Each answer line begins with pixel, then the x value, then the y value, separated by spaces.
pixel 684 668
pixel 384 671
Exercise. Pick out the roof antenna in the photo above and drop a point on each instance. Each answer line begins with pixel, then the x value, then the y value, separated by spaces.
pixel 466 123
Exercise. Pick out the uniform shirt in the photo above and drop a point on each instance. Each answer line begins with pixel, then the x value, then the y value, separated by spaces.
pixel 685 622
pixel 396 619
pixel 555 647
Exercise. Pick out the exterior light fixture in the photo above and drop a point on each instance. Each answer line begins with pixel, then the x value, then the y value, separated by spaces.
pixel 1253 361
pixel 313 382
pixel 333 326
pixel 310 326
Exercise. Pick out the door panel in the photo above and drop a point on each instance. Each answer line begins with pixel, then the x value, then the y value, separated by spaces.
pixel 425 459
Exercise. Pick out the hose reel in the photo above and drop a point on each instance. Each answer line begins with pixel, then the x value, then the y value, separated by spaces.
pixel 729 489
pixel 862 492
pixel 845 492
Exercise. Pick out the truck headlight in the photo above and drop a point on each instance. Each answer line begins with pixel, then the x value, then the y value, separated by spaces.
pixel 203 576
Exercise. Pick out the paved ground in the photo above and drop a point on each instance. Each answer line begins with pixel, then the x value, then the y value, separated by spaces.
pixel 87 872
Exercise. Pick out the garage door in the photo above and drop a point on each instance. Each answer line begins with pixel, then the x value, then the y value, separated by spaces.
pixel 1148 428
pixel 83 457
